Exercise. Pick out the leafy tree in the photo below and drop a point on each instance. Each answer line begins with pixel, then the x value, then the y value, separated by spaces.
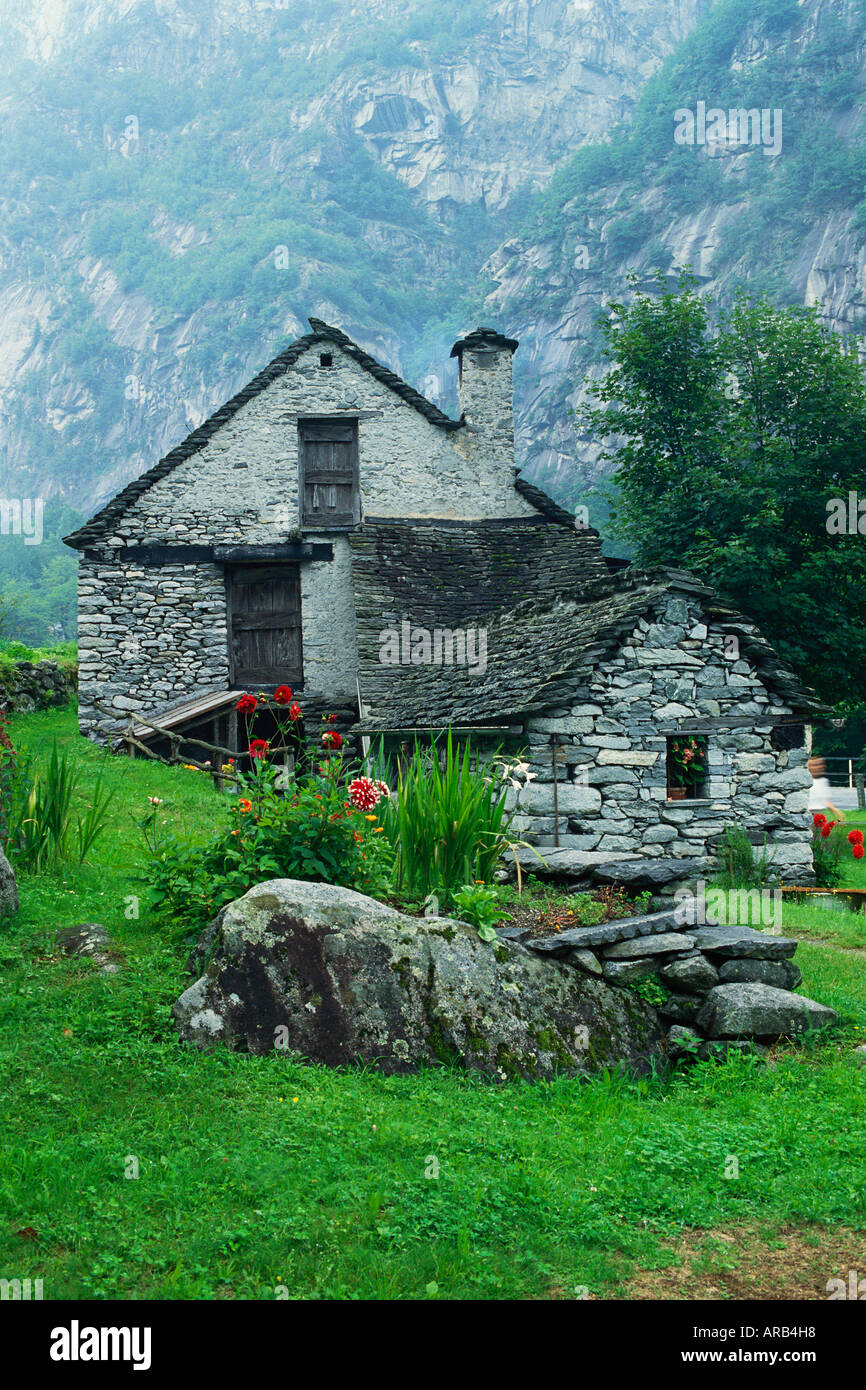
pixel 731 444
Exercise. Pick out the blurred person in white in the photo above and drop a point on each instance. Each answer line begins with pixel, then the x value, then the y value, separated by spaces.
pixel 819 794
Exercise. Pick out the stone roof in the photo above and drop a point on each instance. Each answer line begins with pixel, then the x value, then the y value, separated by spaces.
pixel 103 522
pixel 438 573
pixel 551 609
pixel 484 338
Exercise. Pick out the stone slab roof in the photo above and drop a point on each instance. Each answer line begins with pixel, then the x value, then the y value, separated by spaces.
pixel 104 521
pixel 485 339
pixel 443 573
pixel 550 606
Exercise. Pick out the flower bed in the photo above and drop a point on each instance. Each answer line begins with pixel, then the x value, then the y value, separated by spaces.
pixel 829 842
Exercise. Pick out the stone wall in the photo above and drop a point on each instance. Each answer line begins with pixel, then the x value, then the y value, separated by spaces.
pixel 150 637
pixel 486 402
pixel 241 487
pixel 29 685
pixel 671 674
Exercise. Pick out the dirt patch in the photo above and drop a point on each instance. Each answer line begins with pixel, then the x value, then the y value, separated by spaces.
pixel 605 904
pixel 770 1264
pixel 555 913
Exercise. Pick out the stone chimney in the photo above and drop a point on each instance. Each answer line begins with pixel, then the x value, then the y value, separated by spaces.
pixel 486 390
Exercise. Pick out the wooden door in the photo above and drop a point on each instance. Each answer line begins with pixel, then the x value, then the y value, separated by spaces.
pixel 264 613
pixel 330 495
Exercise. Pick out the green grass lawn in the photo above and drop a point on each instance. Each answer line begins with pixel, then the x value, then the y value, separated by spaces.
pixel 257 1172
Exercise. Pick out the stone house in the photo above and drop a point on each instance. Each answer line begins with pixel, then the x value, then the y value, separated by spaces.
pixel 331 529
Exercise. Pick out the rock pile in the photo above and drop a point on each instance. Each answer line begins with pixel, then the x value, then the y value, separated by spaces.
pixel 728 985
pixel 339 978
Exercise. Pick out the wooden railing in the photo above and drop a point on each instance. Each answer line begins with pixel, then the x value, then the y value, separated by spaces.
pixel 176 740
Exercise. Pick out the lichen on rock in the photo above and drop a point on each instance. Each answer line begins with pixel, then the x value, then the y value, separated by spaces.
pixel 339 978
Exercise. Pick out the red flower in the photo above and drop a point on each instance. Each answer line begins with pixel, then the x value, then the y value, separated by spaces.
pixel 294 711
pixel 855 837
pixel 259 748
pixel 858 851
pixel 364 793
pixel 332 719
pixel 382 788
pixel 818 819
pixel 282 695
pixel 245 805
pixel 825 831
pixel 246 704
pixel 331 739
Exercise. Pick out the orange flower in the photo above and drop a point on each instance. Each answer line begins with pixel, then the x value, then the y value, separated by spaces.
pixel 245 805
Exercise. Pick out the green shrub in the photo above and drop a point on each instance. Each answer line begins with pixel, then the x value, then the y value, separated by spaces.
pixel 650 989
pixel 50 822
pixel 830 841
pixel 313 832
pixel 478 905
pixel 449 823
pixel 740 864
pixel 588 911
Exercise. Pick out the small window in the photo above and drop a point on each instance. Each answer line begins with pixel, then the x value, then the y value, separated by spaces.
pixel 687 771
pixel 329 487
pixel 326 359
pixel 784 737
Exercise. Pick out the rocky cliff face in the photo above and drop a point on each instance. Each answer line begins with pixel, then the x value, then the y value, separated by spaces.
pixel 185 182
pixel 787 222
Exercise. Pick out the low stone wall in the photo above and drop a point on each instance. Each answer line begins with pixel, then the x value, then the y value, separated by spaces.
pixel 29 685
pixel 730 986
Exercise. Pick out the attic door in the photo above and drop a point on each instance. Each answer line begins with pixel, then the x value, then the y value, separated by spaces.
pixel 330 495
pixel 264 607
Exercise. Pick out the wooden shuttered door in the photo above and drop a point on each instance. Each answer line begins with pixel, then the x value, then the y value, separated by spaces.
pixel 264 608
pixel 330 494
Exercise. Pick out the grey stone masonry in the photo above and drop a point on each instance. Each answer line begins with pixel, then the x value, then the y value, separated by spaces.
pixel 675 673
pixel 154 636
pixel 726 982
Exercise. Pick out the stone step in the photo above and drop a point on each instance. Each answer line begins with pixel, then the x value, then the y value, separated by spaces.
pixel 608 933
pixel 742 942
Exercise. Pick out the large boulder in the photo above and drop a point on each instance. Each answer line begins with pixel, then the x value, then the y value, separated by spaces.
pixel 339 978
pixel 759 1011
pixel 8 888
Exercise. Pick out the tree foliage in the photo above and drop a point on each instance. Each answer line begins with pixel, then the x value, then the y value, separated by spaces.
pixel 731 443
